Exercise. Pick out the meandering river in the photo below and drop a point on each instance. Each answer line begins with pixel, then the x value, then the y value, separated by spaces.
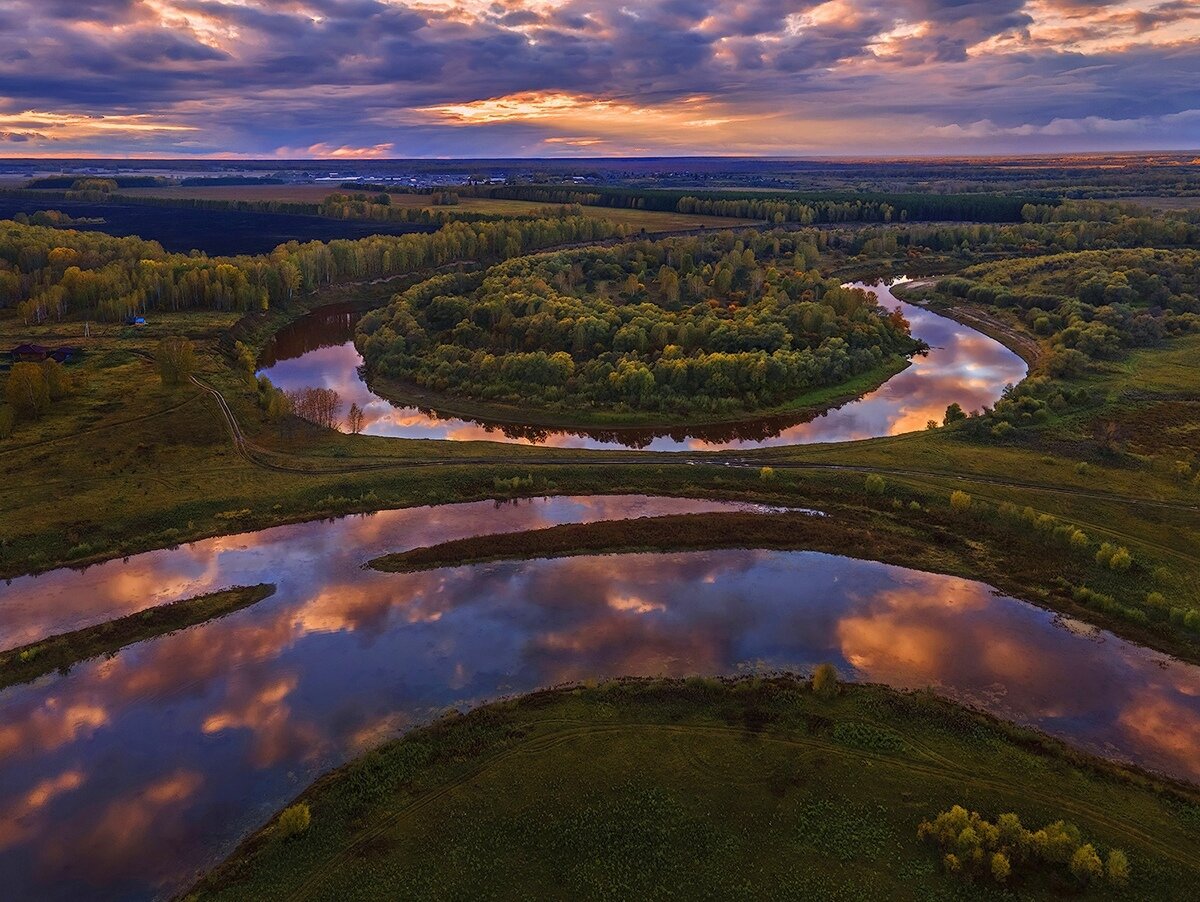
pixel 122 778
pixel 963 366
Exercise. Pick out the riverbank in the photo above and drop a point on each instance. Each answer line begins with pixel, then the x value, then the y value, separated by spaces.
pixel 905 528
pixel 28 662
pixel 762 782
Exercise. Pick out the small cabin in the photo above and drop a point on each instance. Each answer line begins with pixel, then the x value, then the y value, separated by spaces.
pixel 65 354
pixel 29 353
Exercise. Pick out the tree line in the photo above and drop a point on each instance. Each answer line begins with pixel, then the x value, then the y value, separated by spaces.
pixel 718 323
pixel 47 272
pixel 777 207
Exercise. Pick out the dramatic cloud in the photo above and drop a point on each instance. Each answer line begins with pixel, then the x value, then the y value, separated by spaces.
pixel 378 78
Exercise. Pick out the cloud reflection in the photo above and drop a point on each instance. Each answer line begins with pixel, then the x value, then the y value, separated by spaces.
pixel 963 366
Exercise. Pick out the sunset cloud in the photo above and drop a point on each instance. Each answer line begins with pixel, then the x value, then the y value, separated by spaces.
pixel 379 78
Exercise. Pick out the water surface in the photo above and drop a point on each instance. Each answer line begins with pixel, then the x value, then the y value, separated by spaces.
pixel 963 366
pixel 124 777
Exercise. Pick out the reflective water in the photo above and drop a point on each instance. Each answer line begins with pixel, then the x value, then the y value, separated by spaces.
pixel 122 778
pixel 963 366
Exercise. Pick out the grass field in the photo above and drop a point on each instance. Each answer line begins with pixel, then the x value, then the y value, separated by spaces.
pixel 1164 203
pixel 650 220
pixel 803 797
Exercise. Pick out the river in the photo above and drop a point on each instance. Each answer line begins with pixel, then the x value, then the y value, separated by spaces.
pixel 963 366
pixel 122 778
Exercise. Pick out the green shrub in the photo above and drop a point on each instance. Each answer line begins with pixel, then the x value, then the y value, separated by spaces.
pixel 977 848
pixel 876 484
pixel 1116 868
pixel 960 502
pixel 825 681
pixel 1001 868
pixel 294 820
pixel 1114 557
pixel 1086 865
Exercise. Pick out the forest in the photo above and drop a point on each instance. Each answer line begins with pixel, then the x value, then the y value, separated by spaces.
pixel 48 272
pixel 723 323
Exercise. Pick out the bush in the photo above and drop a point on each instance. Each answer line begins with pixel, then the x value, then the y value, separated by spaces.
pixel 876 484
pixel 960 502
pixel 1116 868
pixel 825 681
pixel 1001 868
pixel 294 820
pixel 1114 557
pixel 954 414
pixel 1086 864
pixel 977 848
pixel 767 474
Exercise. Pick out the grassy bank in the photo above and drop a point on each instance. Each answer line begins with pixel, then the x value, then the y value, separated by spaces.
pixel 759 788
pixel 925 534
pixel 61 652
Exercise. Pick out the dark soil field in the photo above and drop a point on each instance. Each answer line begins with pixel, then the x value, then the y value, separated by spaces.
pixel 215 232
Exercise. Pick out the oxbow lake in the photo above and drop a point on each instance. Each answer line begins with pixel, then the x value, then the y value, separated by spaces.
pixel 124 777
pixel 963 366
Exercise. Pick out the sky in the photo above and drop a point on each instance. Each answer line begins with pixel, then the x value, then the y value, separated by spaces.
pixel 509 78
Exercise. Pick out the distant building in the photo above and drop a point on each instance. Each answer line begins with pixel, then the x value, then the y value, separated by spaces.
pixel 65 354
pixel 28 353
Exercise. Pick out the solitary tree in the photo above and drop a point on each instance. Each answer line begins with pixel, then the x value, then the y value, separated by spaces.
pixel 355 418
pixel 175 359
pixel 58 380
pixel 26 390
pixel 825 681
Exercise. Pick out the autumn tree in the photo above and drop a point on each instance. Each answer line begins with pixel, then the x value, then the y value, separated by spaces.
pixel 58 380
pixel 176 359
pixel 825 681
pixel 26 390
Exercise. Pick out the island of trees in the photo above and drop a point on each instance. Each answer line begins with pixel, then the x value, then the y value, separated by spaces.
pixel 720 324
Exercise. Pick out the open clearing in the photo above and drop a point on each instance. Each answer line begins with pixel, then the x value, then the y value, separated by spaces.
pixel 804 797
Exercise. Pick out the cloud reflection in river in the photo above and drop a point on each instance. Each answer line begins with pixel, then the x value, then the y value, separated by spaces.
pixel 182 744
pixel 963 366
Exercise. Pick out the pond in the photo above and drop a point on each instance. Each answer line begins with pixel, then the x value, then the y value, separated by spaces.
pixel 122 778
pixel 963 366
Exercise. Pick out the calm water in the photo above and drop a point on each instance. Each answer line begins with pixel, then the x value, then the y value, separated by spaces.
pixel 963 366
pixel 124 777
